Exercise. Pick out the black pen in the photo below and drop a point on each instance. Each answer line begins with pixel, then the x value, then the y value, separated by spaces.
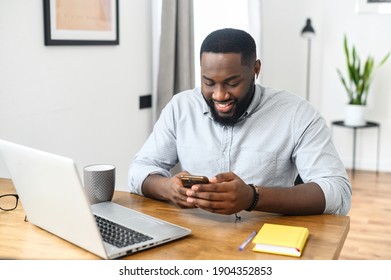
pixel 244 244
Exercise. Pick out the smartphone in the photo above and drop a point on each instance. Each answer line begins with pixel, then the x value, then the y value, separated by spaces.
pixel 189 180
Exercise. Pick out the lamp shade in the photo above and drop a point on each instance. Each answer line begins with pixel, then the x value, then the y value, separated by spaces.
pixel 308 31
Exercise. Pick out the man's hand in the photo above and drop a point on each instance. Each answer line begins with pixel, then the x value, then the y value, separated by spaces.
pixel 226 194
pixel 167 189
pixel 177 192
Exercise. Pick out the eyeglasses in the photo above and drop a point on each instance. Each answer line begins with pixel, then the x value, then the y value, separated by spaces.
pixel 8 202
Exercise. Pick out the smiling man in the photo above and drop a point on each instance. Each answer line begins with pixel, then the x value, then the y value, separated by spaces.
pixel 250 141
pixel 227 85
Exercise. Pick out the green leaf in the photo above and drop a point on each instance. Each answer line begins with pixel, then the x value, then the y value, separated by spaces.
pixel 359 76
pixel 345 85
pixel 384 59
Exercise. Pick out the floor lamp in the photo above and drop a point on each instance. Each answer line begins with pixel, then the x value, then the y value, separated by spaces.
pixel 308 33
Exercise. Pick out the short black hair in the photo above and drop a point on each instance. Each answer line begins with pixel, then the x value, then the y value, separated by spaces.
pixel 229 40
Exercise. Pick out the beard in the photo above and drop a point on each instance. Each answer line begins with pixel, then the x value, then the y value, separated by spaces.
pixel 239 108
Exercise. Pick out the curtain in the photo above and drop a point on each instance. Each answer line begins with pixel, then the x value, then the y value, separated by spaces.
pixel 174 59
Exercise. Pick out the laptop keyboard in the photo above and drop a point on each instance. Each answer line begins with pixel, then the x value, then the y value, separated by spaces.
pixel 118 235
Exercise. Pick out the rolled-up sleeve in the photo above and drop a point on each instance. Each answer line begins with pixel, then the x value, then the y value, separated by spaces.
pixel 318 161
pixel 337 192
pixel 138 173
pixel 158 155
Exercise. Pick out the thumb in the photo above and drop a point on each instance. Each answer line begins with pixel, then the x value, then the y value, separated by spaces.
pixel 223 177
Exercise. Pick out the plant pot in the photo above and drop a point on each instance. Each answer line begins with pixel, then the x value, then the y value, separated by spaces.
pixel 355 115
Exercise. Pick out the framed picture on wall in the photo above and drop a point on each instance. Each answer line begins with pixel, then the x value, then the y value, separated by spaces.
pixel 75 22
pixel 373 6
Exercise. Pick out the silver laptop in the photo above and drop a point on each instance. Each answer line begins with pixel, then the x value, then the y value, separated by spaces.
pixel 54 199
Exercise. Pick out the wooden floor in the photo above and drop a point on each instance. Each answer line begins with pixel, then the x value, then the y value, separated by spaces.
pixel 369 237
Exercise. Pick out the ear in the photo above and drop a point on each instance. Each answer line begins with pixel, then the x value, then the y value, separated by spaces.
pixel 257 68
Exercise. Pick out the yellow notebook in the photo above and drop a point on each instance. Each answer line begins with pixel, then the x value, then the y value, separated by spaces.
pixel 281 239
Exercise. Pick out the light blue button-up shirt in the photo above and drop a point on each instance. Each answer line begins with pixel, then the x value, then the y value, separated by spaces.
pixel 279 136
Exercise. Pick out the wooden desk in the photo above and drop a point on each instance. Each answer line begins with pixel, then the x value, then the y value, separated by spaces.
pixel 213 236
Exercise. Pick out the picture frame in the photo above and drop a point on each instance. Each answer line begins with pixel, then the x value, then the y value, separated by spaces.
pixel 373 6
pixel 75 22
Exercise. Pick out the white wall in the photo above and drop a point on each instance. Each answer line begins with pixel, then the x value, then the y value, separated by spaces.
pixel 284 66
pixel 76 101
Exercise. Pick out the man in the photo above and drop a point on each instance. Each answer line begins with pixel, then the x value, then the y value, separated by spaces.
pixel 251 141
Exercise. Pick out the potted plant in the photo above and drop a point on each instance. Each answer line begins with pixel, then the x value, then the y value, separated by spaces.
pixel 357 83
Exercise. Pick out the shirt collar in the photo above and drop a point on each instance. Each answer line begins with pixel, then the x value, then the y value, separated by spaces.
pixel 254 102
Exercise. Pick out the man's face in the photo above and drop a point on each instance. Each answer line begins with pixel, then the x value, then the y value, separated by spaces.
pixel 227 85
